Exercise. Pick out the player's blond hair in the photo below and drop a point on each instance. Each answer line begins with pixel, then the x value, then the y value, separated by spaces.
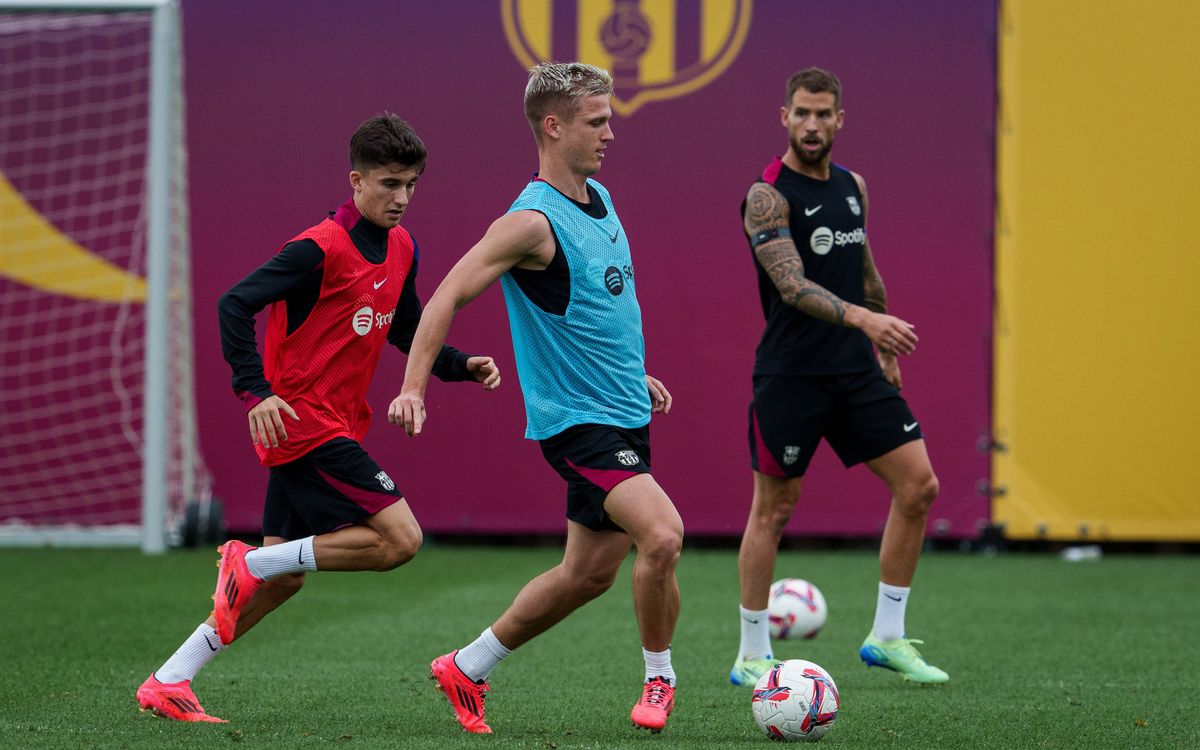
pixel 559 88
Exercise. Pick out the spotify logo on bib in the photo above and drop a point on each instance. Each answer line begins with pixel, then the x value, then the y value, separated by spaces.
pixel 614 280
pixel 361 323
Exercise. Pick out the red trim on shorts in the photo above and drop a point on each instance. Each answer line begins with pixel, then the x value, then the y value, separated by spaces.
pixel 371 502
pixel 766 462
pixel 605 479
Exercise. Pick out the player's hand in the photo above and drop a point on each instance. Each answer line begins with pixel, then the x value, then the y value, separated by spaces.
pixel 485 371
pixel 891 368
pixel 408 411
pixel 266 423
pixel 660 397
pixel 889 333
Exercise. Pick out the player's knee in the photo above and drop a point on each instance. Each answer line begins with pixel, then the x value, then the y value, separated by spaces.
pixel 594 583
pixel 661 547
pixel 916 498
pixel 777 511
pixel 400 548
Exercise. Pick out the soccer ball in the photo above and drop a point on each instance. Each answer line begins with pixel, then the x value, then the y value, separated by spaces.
pixel 796 609
pixel 795 700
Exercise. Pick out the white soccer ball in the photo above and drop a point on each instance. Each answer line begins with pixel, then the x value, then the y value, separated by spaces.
pixel 796 609
pixel 795 700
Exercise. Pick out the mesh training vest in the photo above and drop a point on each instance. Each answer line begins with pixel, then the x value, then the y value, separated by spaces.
pixel 323 368
pixel 586 366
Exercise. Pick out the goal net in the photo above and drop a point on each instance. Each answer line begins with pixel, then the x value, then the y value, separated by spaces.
pixel 77 226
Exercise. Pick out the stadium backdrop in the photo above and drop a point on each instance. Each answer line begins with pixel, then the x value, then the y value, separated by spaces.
pixel 1093 310
pixel 275 88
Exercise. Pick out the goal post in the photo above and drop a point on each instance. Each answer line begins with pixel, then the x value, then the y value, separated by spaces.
pixel 97 414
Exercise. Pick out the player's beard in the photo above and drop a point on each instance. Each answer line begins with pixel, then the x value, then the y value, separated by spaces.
pixel 812 157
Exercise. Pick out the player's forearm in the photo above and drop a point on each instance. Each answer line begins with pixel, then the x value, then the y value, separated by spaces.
pixel 875 298
pixel 239 346
pixel 781 261
pixel 817 301
pixel 874 293
pixel 427 344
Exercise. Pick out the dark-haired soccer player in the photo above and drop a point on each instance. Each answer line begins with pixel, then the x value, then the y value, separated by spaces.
pixel 564 262
pixel 815 375
pixel 338 292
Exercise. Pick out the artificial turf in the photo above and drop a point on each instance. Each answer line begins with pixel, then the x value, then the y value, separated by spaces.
pixel 1042 653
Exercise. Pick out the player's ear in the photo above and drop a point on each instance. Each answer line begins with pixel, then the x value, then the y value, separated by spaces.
pixel 551 127
pixel 356 179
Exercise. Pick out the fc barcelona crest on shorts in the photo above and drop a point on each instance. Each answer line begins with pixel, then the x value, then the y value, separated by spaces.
pixel 654 50
pixel 854 207
pixel 790 454
pixel 385 481
pixel 628 458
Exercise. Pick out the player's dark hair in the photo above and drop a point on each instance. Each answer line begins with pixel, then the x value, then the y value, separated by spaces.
pixel 814 81
pixel 386 139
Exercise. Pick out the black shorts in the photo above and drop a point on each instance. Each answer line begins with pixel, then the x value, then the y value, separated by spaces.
pixel 594 458
pixel 333 485
pixel 861 415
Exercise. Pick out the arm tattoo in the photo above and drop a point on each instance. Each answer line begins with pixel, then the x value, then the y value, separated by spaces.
pixel 874 295
pixel 766 210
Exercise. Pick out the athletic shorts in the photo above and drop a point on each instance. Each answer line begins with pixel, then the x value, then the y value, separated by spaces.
pixel 594 458
pixel 861 416
pixel 335 484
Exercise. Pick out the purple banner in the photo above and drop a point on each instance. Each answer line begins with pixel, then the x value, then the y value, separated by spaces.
pixel 274 90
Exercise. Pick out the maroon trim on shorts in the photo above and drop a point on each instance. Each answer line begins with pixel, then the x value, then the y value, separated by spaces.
pixel 605 479
pixel 371 502
pixel 766 462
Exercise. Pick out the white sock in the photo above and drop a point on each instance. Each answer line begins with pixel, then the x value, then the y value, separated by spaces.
pixel 889 611
pixel 658 664
pixel 756 634
pixel 199 649
pixel 280 559
pixel 479 659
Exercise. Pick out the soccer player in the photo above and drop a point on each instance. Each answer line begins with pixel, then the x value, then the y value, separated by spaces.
pixel 338 292
pixel 815 375
pixel 564 263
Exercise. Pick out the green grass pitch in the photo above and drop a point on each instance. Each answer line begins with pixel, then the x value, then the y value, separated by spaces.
pixel 1042 653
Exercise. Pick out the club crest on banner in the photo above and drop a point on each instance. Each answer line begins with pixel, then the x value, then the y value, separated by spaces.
pixel 655 49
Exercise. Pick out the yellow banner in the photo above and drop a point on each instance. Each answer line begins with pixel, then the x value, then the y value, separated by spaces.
pixel 1097 345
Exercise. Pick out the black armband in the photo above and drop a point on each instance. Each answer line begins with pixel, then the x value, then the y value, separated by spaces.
pixel 766 235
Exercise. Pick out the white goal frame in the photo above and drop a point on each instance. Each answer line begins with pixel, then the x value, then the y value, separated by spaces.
pixel 152 532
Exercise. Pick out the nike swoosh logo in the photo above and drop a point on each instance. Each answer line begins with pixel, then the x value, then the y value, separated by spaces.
pixel 893 598
pixel 214 648
pixel 616 235
pixel 301 560
pixel 910 427
pixel 752 622
pixel 811 211
pixel 379 284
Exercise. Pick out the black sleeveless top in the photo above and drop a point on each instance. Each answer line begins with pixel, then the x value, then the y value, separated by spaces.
pixel 828 228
